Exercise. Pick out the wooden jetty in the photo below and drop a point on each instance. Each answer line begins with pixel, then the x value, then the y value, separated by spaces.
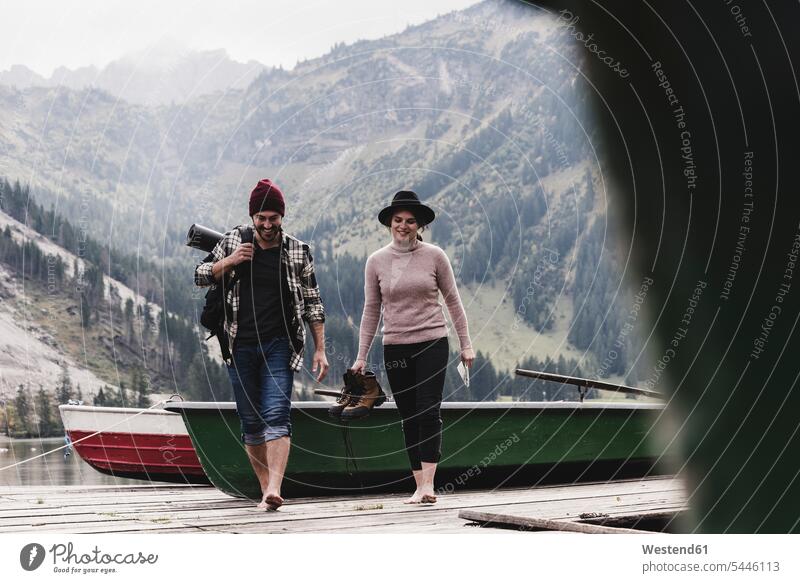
pixel 180 508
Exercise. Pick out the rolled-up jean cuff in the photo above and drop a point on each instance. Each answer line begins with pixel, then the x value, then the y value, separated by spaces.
pixel 277 432
pixel 253 438
pixel 267 435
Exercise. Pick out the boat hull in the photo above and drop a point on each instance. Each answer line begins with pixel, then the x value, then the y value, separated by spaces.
pixel 143 444
pixel 484 445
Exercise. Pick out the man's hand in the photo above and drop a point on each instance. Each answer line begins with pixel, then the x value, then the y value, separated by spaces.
pixel 320 362
pixel 244 252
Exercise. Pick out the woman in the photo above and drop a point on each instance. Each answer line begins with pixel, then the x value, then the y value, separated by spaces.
pixel 405 278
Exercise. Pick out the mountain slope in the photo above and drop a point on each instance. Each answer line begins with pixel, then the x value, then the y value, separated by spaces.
pixel 483 112
pixel 162 74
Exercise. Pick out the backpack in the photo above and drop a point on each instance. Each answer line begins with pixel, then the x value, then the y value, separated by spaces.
pixel 215 310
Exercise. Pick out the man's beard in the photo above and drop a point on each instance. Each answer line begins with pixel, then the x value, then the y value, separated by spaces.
pixel 269 234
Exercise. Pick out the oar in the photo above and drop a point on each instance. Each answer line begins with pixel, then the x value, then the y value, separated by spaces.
pixel 584 384
pixel 327 393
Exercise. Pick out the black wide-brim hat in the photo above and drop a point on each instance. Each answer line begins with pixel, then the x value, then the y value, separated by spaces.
pixel 407 200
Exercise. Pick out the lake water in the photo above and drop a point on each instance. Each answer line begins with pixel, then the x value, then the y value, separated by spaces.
pixel 51 470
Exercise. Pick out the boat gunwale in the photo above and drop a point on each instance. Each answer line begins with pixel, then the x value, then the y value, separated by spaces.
pixel 179 406
pixel 115 410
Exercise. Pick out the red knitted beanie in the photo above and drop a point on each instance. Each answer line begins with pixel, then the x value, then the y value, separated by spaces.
pixel 266 196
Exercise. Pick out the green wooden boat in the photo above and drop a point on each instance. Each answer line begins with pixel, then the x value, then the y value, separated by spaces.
pixel 485 445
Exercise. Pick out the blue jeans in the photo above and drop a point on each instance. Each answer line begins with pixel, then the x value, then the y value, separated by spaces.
pixel 262 385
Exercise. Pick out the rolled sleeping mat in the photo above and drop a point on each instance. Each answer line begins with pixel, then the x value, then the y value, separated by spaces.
pixel 203 238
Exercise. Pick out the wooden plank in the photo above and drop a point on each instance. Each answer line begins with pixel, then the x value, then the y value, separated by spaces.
pixel 145 509
pixel 211 496
pixel 65 501
pixel 299 521
pixel 408 521
pixel 491 518
pixel 561 511
pixel 286 519
pixel 179 489
pixel 98 489
pixel 78 490
pixel 243 514
pixel 89 528
pixel 300 512
pixel 217 499
pixel 656 514
pixel 280 520
pixel 30 512
pixel 292 512
pixel 77 501
pixel 187 530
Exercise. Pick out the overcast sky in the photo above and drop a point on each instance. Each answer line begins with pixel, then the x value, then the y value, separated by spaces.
pixel 43 34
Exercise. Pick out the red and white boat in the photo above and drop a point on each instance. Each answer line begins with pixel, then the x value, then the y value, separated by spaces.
pixel 145 444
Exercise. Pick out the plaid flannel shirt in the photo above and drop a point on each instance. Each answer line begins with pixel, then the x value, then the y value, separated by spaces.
pixel 303 289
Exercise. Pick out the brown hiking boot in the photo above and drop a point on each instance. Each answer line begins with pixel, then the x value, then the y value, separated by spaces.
pixel 370 395
pixel 350 390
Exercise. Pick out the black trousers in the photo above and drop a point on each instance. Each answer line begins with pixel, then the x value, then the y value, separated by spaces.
pixel 416 377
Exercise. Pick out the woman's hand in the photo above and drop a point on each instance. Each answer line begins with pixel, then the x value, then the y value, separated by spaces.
pixel 359 366
pixel 468 357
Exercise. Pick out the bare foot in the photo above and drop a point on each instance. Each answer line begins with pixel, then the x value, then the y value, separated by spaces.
pixel 415 498
pixel 427 495
pixel 272 501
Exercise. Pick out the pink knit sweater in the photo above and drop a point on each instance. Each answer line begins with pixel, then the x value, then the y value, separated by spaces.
pixel 406 283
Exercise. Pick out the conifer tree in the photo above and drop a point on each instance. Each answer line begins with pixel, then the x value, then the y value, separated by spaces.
pixel 100 398
pixel 22 404
pixel 64 387
pixel 42 406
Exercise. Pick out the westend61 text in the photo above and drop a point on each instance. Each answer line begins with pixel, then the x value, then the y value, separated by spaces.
pixel 674 550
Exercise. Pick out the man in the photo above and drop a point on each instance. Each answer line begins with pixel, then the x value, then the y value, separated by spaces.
pixel 275 292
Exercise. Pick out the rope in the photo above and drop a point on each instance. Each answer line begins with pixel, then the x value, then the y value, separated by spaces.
pixel 350 456
pixel 71 443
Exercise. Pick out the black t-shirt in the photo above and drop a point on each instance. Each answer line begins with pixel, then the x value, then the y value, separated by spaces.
pixel 264 300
